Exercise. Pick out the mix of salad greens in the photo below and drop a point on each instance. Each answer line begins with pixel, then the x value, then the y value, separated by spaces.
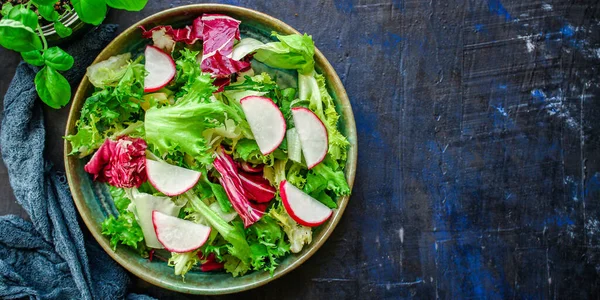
pixel 195 121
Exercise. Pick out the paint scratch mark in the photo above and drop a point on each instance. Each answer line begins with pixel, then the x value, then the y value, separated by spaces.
pixel 401 234
pixel 546 7
pixel 333 280
pixel 389 285
pixel 555 106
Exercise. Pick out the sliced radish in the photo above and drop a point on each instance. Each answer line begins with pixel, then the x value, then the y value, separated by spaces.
pixel 257 187
pixel 266 122
pixel 169 179
pixel 160 69
pixel 303 208
pixel 142 205
pixel 313 135
pixel 179 235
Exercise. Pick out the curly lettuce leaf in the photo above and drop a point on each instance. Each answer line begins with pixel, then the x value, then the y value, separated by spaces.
pixel 297 234
pixel 183 262
pixel 248 151
pixel 327 176
pixel 123 229
pixel 110 110
pixel 188 70
pixel 267 244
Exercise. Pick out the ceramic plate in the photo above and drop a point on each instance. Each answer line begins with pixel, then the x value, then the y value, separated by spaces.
pixel 93 200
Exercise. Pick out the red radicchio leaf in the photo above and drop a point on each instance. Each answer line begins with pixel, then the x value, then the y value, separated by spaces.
pixel 211 263
pixel 250 168
pixel 219 34
pixel 188 34
pixel 221 66
pixel 121 163
pixel 257 187
pixel 221 83
pixel 234 189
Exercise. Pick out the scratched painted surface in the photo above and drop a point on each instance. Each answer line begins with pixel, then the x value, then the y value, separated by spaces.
pixel 479 169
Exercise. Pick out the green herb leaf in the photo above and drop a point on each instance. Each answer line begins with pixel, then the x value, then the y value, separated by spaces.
pixel 15 35
pixel 6 8
pixel 62 30
pixel 131 5
pixel 24 15
pixel 48 12
pixel 52 87
pixel 33 57
pixel 90 11
pixel 58 59
pixel 39 3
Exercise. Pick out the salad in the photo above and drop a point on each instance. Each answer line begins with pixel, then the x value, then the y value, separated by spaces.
pixel 208 151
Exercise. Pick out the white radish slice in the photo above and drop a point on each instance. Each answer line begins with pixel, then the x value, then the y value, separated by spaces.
pixel 179 235
pixel 313 135
pixel 160 69
pixel 266 122
pixel 142 205
pixel 303 208
pixel 169 179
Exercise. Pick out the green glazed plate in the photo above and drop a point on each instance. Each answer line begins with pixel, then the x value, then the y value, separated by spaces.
pixel 93 200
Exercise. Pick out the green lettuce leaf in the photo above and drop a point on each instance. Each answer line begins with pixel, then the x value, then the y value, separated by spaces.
pixel 180 126
pixel 123 229
pixel 239 258
pixel 293 51
pixel 267 244
pixel 327 176
pixel 110 111
pixel 183 262
pixel 297 235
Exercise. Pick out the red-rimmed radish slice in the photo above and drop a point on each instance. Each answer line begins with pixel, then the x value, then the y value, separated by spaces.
pixel 266 122
pixel 160 69
pixel 169 179
pixel 313 135
pixel 179 235
pixel 303 208
pixel 257 187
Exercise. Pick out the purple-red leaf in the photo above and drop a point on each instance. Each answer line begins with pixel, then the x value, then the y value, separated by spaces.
pixel 257 187
pixel 231 182
pixel 121 163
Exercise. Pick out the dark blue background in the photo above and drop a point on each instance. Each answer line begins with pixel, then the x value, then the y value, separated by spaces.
pixel 478 172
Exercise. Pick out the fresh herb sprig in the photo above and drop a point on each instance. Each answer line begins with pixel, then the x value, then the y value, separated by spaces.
pixel 21 31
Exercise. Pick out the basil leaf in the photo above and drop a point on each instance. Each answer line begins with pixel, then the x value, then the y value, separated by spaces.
pixel 38 3
pixel 62 30
pixel 14 35
pixel 131 5
pixel 33 57
pixel 52 87
pixel 90 11
pixel 6 8
pixel 48 12
pixel 24 15
pixel 58 59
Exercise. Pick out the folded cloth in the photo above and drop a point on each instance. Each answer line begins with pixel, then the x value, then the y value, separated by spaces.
pixel 49 257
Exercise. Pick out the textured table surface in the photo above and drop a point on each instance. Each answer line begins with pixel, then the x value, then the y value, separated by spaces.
pixel 479 138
